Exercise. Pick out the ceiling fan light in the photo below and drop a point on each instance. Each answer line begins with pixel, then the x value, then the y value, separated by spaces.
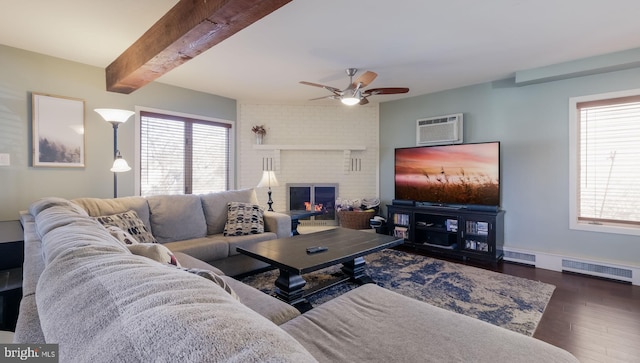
pixel 350 101
pixel 353 99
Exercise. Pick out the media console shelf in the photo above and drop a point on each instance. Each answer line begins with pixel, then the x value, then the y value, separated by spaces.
pixel 452 232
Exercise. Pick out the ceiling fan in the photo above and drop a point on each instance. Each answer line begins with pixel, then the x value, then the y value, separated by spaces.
pixel 354 93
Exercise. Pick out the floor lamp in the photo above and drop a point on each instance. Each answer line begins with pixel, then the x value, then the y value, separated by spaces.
pixel 268 180
pixel 116 117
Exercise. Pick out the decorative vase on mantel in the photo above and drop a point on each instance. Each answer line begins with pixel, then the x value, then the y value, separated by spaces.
pixel 259 131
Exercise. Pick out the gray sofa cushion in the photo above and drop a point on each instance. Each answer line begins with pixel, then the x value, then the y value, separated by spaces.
pixel 277 223
pixel 28 328
pixel 28 324
pixel 239 241
pixel 54 221
pixel 365 323
pixel 207 249
pixel 102 305
pixel 215 206
pixel 273 309
pixel 192 262
pixel 176 217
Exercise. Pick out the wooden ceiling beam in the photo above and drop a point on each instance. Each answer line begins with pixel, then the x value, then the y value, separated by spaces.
pixel 188 29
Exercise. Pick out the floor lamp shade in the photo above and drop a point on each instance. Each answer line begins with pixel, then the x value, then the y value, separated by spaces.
pixel 116 117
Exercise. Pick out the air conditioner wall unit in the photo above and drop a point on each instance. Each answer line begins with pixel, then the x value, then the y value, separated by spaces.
pixel 440 130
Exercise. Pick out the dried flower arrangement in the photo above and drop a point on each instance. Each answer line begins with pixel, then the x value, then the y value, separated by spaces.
pixel 259 129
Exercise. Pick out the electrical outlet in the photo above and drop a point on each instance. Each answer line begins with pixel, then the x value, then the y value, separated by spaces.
pixel 5 160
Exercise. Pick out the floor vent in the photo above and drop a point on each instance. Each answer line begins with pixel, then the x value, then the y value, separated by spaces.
pixel 520 257
pixel 611 272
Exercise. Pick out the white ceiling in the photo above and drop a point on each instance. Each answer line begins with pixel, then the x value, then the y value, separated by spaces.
pixel 425 45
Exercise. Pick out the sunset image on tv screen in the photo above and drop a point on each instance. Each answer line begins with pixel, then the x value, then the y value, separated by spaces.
pixel 451 174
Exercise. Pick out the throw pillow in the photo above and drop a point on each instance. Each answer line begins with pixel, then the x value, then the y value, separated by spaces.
pixel 244 219
pixel 215 206
pixel 154 251
pixel 129 222
pixel 125 237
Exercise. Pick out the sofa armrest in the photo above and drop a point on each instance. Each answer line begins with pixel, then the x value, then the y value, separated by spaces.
pixel 278 223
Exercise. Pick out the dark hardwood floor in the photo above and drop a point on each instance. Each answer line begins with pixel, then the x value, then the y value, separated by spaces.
pixel 597 320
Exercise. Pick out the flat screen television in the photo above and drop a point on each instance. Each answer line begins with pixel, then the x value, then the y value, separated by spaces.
pixel 461 175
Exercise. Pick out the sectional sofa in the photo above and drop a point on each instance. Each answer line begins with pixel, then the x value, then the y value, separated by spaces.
pixel 86 289
pixel 194 224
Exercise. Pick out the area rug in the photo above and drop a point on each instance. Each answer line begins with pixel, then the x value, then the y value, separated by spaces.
pixel 511 302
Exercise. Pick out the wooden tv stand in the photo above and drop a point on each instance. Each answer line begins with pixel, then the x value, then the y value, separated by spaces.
pixel 451 232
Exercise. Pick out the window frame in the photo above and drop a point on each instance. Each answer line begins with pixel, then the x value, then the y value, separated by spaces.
pixel 232 141
pixel 574 167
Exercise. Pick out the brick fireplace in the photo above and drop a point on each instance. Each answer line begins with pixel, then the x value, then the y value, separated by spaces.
pixel 313 144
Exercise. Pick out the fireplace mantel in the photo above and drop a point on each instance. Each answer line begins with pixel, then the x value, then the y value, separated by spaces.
pixel 346 152
pixel 310 147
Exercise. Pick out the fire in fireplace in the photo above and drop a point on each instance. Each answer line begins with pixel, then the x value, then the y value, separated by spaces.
pixel 316 197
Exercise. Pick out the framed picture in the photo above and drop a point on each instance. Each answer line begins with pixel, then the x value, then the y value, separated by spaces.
pixel 58 131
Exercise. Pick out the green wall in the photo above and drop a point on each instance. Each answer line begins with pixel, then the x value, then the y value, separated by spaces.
pixel 532 124
pixel 23 72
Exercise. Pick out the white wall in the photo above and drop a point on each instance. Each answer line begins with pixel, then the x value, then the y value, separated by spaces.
pixel 532 124
pixel 310 125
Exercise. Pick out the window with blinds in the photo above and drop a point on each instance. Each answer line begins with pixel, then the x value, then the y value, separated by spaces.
pixel 608 161
pixel 182 155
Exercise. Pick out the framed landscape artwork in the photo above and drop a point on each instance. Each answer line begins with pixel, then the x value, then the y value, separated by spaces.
pixel 58 131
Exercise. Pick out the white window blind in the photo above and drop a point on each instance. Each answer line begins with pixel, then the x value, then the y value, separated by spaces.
pixel 180 155
pixel 609 161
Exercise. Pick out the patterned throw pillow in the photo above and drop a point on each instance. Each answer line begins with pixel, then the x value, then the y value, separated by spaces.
pixel 244 219
pixel 129 222
pixel 122 236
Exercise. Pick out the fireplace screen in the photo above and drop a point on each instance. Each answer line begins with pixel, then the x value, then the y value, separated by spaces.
pixel 316 197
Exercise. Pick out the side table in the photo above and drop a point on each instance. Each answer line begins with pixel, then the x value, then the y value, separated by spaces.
pixel 11 258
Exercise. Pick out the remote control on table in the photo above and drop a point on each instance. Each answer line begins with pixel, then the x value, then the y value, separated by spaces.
pixel 316 249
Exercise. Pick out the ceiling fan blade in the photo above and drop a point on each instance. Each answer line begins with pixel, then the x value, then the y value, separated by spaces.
pixel 364 101
pixel 364 79
pixel 386 91
pixel 332 89
pixel 335 97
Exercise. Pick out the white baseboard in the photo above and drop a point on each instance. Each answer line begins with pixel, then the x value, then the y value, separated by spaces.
pixel 555 262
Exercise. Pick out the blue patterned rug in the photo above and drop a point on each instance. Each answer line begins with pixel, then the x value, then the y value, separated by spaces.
pixel 510 302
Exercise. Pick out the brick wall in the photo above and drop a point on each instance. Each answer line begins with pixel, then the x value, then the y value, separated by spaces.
pixel 356 172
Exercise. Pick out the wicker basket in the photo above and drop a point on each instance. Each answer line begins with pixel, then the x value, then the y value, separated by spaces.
pixel 355 219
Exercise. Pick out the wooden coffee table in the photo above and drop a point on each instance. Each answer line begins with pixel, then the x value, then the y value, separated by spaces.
pixel 297 215
pixel 289 255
